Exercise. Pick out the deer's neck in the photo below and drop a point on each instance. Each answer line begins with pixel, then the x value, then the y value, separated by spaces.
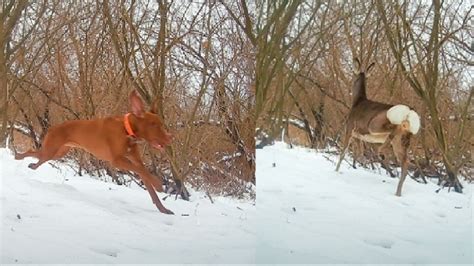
pixel 358 90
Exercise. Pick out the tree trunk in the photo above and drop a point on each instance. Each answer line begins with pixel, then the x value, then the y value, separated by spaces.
pixel 3 99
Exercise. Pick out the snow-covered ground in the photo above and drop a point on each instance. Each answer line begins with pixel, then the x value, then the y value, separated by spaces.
pixel 51 216
pixel 308 213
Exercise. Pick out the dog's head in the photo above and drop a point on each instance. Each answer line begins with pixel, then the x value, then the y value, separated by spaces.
pixel 147 125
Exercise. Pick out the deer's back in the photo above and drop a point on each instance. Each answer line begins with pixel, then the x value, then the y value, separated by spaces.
pixel 363 112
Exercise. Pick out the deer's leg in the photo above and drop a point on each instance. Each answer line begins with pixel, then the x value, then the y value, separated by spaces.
pixel 382 152
pixel 400 148
pixel 125 164
pixel 357 152
pixel 394 130
pixel 387 142
pixel 345 144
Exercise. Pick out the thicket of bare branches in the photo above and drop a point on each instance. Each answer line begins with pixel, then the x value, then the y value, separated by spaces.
pixel 423 54
pixel 201 63
pixel 63 60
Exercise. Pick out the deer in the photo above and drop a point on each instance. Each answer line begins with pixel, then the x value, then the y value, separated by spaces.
pixel 112 139
pixel 377 122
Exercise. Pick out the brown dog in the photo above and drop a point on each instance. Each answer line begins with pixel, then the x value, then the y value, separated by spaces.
pixel 111 139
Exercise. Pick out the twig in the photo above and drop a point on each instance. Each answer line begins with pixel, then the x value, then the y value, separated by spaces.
pixel 210 198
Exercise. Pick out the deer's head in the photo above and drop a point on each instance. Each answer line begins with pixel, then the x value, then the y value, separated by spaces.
pixel 359 86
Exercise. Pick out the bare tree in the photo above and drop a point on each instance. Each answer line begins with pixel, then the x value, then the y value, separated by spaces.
pixel 418 48
pixel 9 17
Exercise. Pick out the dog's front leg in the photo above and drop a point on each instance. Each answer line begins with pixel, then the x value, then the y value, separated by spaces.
pixel 127 165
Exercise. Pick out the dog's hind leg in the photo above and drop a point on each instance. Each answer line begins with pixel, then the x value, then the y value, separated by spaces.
pixel 30 153
pixel 52 148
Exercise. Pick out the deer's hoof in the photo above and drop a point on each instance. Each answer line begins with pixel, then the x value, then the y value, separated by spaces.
pixel 165 211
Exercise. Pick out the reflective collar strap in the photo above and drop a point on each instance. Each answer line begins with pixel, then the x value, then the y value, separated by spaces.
pixel 128 126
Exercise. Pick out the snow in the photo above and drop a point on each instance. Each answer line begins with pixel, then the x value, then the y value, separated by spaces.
pixel 51 216
pixel 308 213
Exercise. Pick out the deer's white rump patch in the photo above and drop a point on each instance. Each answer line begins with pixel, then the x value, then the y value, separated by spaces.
pixel 399 113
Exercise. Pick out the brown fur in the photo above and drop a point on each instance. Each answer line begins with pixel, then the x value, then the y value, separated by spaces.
pixel 107 139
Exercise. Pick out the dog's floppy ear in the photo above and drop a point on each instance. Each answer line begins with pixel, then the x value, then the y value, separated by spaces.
pixel 136 104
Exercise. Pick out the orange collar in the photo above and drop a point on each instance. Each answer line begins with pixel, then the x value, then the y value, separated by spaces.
pixel 128 126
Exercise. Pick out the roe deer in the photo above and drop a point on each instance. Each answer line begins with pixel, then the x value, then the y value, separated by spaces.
pixel 112 139
pixel 377 122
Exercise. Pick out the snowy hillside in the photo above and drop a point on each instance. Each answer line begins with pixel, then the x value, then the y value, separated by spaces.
pixel 309 213
pixel 52 216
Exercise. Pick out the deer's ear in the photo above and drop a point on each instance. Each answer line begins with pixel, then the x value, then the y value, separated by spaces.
pixel 370 67
pixel 356 65
pixel 136 104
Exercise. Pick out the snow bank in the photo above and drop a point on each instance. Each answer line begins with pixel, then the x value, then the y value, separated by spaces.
pixel 308 213
pixel 51 216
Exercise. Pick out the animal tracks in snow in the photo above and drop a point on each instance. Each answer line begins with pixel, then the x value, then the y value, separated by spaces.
pixel 380 242
pixel 107 252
